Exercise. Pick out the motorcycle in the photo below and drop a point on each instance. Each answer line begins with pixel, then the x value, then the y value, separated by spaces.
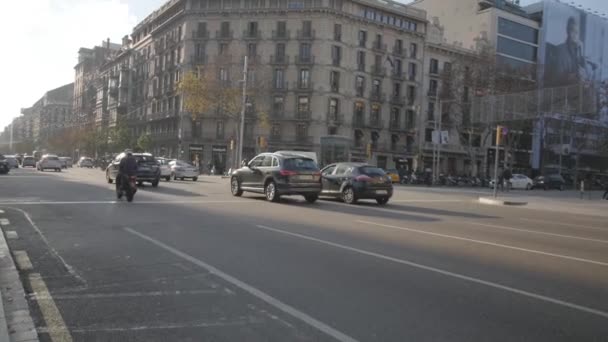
pixel 127 188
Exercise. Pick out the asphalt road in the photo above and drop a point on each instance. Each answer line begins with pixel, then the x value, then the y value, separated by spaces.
pixel 188 262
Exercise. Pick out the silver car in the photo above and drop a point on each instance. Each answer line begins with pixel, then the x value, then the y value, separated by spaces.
pixel 165 169
pixel 49 161
pixel 182 170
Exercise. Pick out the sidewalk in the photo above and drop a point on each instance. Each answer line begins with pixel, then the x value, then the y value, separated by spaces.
pixel 564 202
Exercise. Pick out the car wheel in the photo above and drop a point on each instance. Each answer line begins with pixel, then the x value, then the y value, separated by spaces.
pixel 155 183
pixel 182 178
pixel 108 178
pixel 58 170
pixel 174 176
pixel 311 198
pixel 528 187
pixel 168 178
pixel 545 188
pixel 382 201
pixel 348 195
pixel 271 192
pixel 140 183
pixel 194 179
pixel 561 187
pixel 235 187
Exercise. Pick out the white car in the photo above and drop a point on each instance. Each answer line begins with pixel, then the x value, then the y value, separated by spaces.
pixel 181 169
pixel 165 168
pixel 85 162
pixel 49 161
pixel 519 181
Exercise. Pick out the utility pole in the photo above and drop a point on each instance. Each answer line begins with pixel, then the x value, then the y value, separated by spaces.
pixel 239 155
pixel 10 142
pixel 440 138
pixel 498 138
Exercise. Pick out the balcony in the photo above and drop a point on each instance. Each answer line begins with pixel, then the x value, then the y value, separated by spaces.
pixel 399 51
pixel 361 67
pixel 412 77
pixel 167 135
pixel 203 34
pixel 280 35
pixel 377 96
pixel 303 115
pixel 304 140
pixel 432 93
pixel 376 123
pixel 305 60
pixel 305 34
pixel 397 100
pixel 224 35
pixel 434 72
pixel 334 119
pixel 277 114
pixel 280 87
pixel 252 35
pixel 379 46
pixel 255 59
pixel 279 60
pixel 398 75
pixel 297 86
pixel 358 121
pixel 378 70
pixel 335 62
pixel 394 125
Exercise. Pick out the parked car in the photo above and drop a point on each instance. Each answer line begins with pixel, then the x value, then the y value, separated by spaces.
pixel 552 181
pixel 182 170
pixel 165 168
pixel 148 169
pixel 28 161
pixel 393 174
pixel 4 167
pixel 278 174
pixel 354 181
pixel 49 161
pixel 85 162
pixel 12 161
pixel 519 181
pixel 65 162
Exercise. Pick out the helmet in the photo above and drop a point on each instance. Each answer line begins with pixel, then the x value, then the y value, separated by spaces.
pixel 129 152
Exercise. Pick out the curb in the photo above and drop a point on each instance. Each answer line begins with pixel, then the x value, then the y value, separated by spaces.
pixel 16 322
pixel 494 201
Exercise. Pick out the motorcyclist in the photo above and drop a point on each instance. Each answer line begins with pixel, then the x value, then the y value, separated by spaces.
pixel 126 168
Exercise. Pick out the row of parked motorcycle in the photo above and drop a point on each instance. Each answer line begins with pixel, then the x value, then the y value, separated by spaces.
pixel 422 178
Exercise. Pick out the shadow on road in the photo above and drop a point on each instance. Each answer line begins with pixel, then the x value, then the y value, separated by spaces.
pixel 431 211
pixel 165 190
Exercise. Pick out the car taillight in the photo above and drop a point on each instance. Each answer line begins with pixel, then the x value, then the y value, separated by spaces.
pixel 287 173
pixel 363 178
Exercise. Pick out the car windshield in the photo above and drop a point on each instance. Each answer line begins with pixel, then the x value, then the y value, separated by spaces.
pixel 371 171
pixel 300 164
pixel 143 159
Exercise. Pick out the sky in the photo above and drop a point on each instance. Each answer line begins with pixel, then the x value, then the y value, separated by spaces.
pixel 42 38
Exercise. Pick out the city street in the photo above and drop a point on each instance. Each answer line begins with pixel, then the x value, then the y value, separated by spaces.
pixel 188 262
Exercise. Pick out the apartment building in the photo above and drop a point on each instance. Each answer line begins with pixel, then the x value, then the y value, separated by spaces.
pixel 343 77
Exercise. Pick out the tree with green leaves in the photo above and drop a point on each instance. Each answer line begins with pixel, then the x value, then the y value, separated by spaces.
pixel 144 142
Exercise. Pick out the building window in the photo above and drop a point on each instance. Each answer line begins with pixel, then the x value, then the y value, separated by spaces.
pixel 281 29
pixel 360 85
pixel 413 50
pixel 395 117
pixel 434 66
pixel 280 52
pixel 225 29
pixel 337 32
pixel 518 31
pixel 307 29
pixel 223 74
pixel 301 131
pixel 219 129
pixel 361 60
pixel 433 85
pixel 334 81
pixel 333 108
pixel 303 104
pixel 279 78
pixel 428 135
pixel 199 51
pixel 252 29
pixel 431 111
pixel 411 95
pixel 398 66
pixel 374 115
pixel 275 132
pixel 410 119
pixel 412 71
pixel 394 142
pixel 399 46
pixel 252 49
pixel 358 138
pixel 376 87
pixel 362 37
pixel 305 52
pixel 378 42
pixel 332 130
pixel 447 67
pixel 397 90
pixel 336 55
pixel 278 105
pixel 201 31
pixel 223 48
pixel 304 79
pixel 516 49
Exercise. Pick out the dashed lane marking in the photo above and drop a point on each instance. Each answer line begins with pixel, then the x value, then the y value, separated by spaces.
pixel 49 310
pixel 12 235
pixel 313 322
pixel 533 251
pixel 498 286
pixel 571 225
pixel 536 232
pixel 4 222
pixel 136 202
pixel 23 260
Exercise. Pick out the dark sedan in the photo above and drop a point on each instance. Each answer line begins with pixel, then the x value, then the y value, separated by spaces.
pixel 355 181
pixel 148 169
pixel 4 166
pixel 553 181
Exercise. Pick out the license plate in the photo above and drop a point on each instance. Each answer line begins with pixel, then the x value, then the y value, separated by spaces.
pixel 381 192
pixel 305 177
pixel 144 168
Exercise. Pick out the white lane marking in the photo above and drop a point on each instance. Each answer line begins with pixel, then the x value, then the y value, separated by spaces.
pixel 37 296
pixel 1 211
pixel 427 201
pixel 589 261
pixel 23 260
pixel 12 235
pixel 80 330
pixel 571 225
pixel 135 202
pixel 4 222
pixel 446 273
pixel 67 266
pixel 251 290
pixel 536 232
pixel 49 310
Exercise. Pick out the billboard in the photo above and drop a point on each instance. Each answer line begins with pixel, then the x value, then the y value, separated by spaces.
pixel 574 50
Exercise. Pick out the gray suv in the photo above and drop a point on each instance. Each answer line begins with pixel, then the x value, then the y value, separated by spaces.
pixel 278 174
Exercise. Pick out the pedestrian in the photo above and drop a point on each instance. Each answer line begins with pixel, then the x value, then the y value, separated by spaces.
pixel 507 175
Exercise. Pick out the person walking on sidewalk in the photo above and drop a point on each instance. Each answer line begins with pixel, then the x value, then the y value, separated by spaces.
pixel 507 175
